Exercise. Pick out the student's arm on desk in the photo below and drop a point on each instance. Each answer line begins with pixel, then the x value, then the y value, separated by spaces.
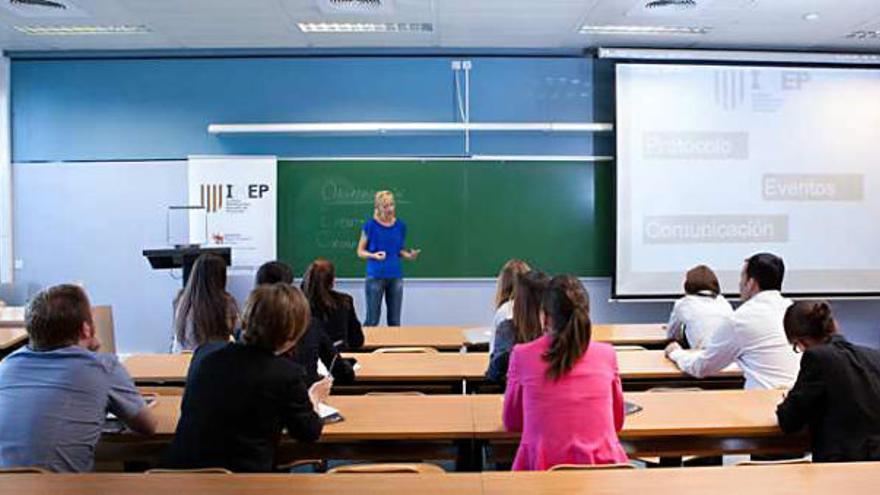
pixel 125 400
pixel 513 406
pixel 720 351
pixel 804 398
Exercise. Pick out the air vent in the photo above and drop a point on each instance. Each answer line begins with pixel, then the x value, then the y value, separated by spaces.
pixel 356 6
pixel 671 4
pixel 43 9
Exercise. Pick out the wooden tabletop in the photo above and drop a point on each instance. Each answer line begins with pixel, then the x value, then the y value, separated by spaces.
pixel 11 316
pixel 738 413
pixel 158 367
pixel 223 484
pixel 439 337
pixel 849 478
pixel 368 417
pixel 11 337
pixel 446 338
pixel 402 367
pixel 422 367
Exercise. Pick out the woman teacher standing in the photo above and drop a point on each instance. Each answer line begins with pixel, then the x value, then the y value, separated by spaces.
pixel 382 245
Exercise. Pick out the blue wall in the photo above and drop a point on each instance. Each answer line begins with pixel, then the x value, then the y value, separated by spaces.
pixel 161 108
pixel 88 222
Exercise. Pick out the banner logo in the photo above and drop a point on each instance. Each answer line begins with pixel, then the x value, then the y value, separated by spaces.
pixel 212 196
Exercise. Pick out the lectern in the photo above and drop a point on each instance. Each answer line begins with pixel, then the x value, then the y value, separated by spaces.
pixel 183 257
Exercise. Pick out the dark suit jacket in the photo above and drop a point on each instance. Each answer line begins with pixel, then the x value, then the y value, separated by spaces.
pixel 238 398
pixel 341 325
pixel 837 395
pixel 314 345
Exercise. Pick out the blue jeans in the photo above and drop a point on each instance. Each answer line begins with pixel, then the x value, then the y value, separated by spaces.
pixel 392 288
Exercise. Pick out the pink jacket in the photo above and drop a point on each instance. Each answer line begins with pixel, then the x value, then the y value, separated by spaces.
pixel 571 421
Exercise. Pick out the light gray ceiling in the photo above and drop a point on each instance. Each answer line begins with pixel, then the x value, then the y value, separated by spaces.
pixel 541 24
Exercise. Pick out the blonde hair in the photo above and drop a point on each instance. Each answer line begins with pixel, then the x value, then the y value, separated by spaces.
pixel 506 278
pixel 380 198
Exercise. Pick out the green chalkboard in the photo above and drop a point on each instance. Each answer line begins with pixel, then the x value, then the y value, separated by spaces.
pixel 468 217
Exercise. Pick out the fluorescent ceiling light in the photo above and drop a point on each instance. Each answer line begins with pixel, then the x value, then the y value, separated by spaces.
pixel 617 29
pixel 738 56
pixel 366 27
pixel 80 30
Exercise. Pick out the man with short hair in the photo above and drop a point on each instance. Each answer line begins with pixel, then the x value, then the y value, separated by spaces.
pixel 753 336
pixel 55 393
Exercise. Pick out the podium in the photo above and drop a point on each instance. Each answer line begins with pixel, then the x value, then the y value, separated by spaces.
pixel 183 257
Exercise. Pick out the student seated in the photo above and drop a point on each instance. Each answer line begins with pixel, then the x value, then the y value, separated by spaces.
pixel 333 312
pixel 504 295
pixel 315 344
pixel 700 312
pixel 753 336
pixel 239 398
pixel 55 393
pixel 563 391
pixel 525 326
pixel 204 313
pixel 837 392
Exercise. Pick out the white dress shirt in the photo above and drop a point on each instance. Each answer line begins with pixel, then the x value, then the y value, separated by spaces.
pixel 753 336
pixel 700 315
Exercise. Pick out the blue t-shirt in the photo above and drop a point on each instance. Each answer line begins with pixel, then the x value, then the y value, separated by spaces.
pixel 388 239
pixel 53 405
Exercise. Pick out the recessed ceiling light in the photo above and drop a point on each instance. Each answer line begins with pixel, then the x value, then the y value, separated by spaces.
pixel 365 27
pixel 864 35
pixel 811 16
pixel 80 30
pixel 616 29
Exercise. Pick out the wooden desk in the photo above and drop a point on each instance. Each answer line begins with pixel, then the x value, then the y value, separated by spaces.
pixel 850 478
pixel 443 338
pixel 709 422
pixel 453 338
pixel 236 484
pixel 375 428
pixel 10 338
pixel 12 316
pixel 158 368
pixel 651 335
pixel 445 372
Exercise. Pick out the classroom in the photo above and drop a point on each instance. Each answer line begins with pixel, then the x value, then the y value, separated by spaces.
pixel 444 245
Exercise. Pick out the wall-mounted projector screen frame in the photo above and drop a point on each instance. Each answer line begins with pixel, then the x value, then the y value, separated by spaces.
pixel 830 279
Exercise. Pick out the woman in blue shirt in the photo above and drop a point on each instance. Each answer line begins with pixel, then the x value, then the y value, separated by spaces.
pixel 382 245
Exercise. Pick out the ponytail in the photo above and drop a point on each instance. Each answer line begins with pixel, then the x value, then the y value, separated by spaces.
pixel 809 319
pixel 567 305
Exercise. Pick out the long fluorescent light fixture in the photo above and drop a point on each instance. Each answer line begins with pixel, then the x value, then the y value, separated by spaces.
pixel 365 27
pixel 658 54
pixel 647 30
pixel 80 30
pixel 382 127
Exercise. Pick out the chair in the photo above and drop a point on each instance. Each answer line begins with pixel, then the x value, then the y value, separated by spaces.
pixel 24 470
pixel 414 468
pixel 801 460
pixel 589 467
pixel 103 317
pixel 208 470
pixel 405 350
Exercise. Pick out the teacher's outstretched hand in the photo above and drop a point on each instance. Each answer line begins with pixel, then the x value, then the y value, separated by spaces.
pixel 382 244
